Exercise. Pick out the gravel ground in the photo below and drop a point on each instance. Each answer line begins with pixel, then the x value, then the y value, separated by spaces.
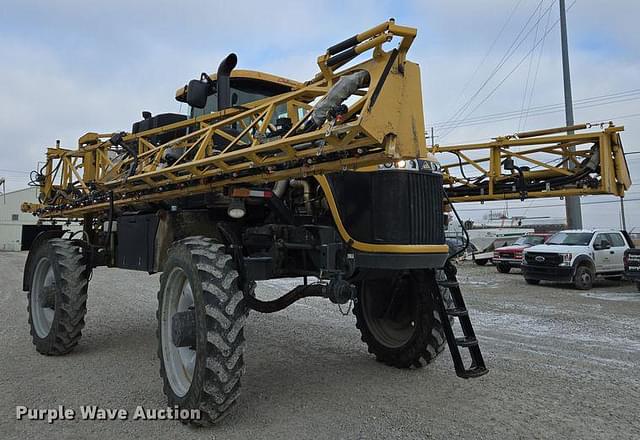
pixel 564 364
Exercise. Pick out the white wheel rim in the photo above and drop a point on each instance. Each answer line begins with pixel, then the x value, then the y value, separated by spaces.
pixel 42 314
pixel 179 362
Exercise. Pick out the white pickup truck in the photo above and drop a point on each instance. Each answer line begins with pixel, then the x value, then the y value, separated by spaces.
pixel 577 256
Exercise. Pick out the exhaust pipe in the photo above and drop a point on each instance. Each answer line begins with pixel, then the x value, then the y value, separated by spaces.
pixel 224 82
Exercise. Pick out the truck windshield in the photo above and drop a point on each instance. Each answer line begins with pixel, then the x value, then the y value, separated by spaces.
pixel 571 238
pixel 530 240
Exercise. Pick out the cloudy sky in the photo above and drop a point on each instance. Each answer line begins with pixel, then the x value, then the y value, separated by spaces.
pixel 74 66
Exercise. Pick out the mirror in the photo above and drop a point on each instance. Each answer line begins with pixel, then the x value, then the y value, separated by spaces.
pixel 199 90
pixel 197 93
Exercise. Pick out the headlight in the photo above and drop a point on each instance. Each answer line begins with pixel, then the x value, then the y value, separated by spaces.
pixel 566 259
pixel 411 164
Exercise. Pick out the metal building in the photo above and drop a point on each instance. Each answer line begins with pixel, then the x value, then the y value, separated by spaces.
pixel 18 229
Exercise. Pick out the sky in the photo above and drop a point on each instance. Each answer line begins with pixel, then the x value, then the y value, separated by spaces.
pixel 69 67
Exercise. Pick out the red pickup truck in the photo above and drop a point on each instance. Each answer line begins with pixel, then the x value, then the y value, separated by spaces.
pixel 508 257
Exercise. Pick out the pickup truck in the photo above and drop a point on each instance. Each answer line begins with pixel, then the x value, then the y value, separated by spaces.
pixel 507 257
pixel 577 257
pixel 632 265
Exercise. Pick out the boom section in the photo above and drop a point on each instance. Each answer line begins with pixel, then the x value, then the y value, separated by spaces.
pixel 381 120
pixel 537 164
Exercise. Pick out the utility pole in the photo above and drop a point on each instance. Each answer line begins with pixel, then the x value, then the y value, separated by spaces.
pixel 624 220
pixel 433 138
pixel 572 203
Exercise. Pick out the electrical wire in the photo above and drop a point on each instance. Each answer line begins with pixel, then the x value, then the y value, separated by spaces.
pixel 486 98
pixel 590 100
pixel 557 205
pixel 486 55
pixel 548 112
pixel 508 54
pixel 535 76
pixel 526 84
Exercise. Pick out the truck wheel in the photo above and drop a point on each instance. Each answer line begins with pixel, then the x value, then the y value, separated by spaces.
pixel 201 316
pixel 638 286
pixel 57 298
pixel 532 281
pixel 583 278
pixel 481 262
pixel 503 268
pixel 398 320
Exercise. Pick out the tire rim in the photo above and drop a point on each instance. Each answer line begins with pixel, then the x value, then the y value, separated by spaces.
pixel 585 277
pixel 179 362
pixel 389 310
pixel 42 301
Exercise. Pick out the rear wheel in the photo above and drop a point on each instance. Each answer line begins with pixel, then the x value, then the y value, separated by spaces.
pixel 481 262
pixel 398 320
pixel 583 278
pixel 503 268
pixel 201 316
pixel 57 298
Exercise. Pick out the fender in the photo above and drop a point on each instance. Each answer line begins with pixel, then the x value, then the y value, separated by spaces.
pixel 37 242
pixel 582 260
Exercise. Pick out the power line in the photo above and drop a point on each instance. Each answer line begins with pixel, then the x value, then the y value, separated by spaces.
pixel 592 99
pixel 601 121
pixel 486 55
pixel 548 112
pixel 526 84
pixel 508 54
pixel 550 206
pixel 535 78
pixel 486 98
pixel 2 170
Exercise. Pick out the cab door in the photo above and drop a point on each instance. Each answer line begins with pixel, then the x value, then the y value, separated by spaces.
pixel 616 253
pixel 602 256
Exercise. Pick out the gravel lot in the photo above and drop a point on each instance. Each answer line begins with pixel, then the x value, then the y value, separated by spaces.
pixel 564 364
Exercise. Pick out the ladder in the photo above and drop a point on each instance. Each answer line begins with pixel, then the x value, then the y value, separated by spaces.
pixel 459 311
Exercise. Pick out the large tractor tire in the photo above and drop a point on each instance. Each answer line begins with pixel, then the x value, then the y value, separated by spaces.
pixel 57 297
pixel 201 316
pixel 399 321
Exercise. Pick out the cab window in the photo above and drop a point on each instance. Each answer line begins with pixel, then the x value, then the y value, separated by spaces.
pixel 601 238
pixel 244 91
pixel 616 240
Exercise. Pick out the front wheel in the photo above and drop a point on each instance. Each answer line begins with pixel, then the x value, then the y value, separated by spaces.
pixel 201 316
pixel 503 268
pixel 57 298
pixel 399 321
pixel 583 278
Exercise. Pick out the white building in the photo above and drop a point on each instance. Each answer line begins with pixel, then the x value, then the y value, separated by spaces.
pixel 18 229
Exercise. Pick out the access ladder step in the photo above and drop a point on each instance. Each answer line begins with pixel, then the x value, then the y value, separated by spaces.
pixel 474 372
pixel 467 342
pixel 458 312
pixel 447 284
